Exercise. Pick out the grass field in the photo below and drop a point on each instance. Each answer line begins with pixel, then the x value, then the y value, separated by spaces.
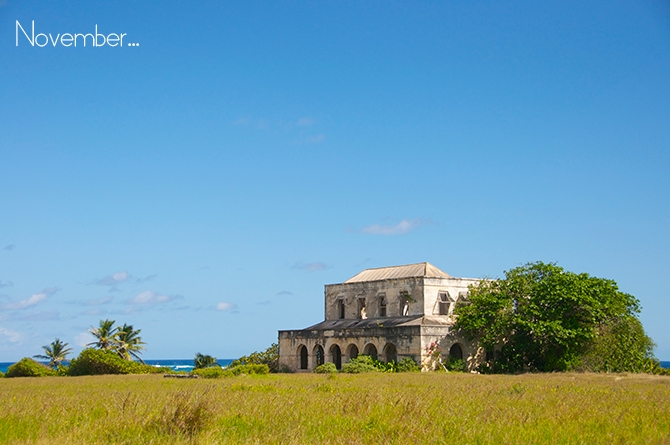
pixel 339 409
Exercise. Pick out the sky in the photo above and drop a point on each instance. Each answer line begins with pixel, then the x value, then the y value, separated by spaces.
pixel 205 180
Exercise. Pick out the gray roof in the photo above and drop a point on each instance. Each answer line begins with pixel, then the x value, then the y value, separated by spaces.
pixel 410 270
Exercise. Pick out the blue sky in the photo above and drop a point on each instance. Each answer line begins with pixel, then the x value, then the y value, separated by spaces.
pixel 205 184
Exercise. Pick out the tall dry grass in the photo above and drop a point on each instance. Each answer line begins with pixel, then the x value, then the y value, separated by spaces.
pixel 338 409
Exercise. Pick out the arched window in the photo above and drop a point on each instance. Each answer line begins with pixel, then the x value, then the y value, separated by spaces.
pixel 390 353
pixel 352 351
pixel 319 355
pixel 302 352
pixel 336 354
pixel 456 352
pixel 370 350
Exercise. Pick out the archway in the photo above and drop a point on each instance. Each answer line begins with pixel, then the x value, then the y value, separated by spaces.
pixel 336 354
pixel 352 351
pixel 456 352
pixel 319 355
pixel 390 353
pixel 302 352
pixel 370 350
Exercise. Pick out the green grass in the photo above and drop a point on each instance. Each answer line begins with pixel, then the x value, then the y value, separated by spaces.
pixel 338 409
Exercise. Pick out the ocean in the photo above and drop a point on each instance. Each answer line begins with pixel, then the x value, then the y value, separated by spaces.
pixel 187 364
pixel 174 364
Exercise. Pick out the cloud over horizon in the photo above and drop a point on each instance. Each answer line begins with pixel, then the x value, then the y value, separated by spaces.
pixel 30 301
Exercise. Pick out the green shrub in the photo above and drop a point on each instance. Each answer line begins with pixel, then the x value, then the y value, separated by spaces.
pixel 268 357
pixel 456 365
pixel 27 367
pixel 408 364
pixel 326 368
pixel 99 362
pixel 213 372
pixel 249 369
pixel 362 363
pixel 2 374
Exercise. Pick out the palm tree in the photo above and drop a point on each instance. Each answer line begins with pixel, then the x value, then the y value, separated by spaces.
pixel 204 361
pixel 105 335
pixel 56 353
pixel 128 342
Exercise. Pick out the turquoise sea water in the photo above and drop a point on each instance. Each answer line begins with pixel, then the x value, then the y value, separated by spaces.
pixel 187 364
pixel 174 364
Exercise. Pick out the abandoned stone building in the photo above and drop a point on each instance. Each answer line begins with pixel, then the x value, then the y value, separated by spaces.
pixel 388 313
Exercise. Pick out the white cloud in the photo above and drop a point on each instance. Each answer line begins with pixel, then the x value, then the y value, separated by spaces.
pixel 83 338
pixel 113 279
pixel 316 139
pixel 40 316
pixel 7 335
pixel 310 267
pixel 224 306
pixel 9 247
pixel 403 227
pixel 28 302
pixel 98 301
pixel 284 292
pixel 6 284
pixel 305 122
pixel 151 297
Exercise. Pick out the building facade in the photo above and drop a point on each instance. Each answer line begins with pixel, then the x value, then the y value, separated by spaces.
pixel 388 313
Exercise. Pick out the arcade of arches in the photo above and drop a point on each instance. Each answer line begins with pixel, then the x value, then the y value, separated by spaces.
pixel 340 354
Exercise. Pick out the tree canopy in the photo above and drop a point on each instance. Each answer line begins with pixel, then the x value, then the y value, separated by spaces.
pixel 543 318
pixel 125 340
pixel 56 352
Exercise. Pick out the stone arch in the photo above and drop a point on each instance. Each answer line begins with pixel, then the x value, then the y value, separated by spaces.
pixel 390 353
pixel 319 356
pixel 336 356
pixel 303 357
pixel 352 351
pixel 456 352
pixel 370 350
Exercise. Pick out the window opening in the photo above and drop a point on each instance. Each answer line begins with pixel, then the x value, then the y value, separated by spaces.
pixel 456 352
pixel 391 353
pixel 404 303
pixel 336 353
pixel 444 303
pixel 370 350
pixel 303 357
pixel 382 305
pixel 362 313
pixel 353 351
pixel 340 307
pixel 319 354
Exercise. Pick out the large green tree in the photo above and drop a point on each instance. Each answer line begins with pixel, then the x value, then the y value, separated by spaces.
pixel 124 340
pixel 543 318
pixel 56 352
pixel 128 343
pixel 105 335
